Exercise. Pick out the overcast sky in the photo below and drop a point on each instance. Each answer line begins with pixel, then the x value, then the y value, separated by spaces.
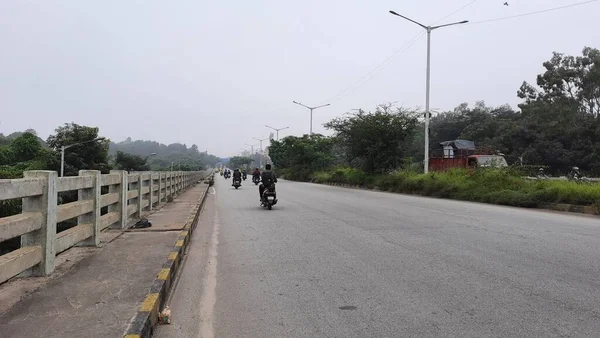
pixel 214 73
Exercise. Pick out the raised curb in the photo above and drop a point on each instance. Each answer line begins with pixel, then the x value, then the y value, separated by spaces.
pixel 144 321
pixel 572 208
pixel 580 209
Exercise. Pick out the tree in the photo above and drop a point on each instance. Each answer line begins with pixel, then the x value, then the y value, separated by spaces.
pixel 25 147
pixel 130 162
pixel 302 155
pixel 91 155
pixel 559 126
pixel 568 80
pixel 175 153
pixel 240 161
pixel 375 142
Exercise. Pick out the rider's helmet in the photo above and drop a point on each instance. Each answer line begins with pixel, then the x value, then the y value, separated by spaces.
pixel 268 166
pixel 575 168
pixel 541 169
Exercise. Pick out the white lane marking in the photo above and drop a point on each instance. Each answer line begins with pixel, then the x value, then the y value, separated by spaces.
pixel 209 296
pixel 212 191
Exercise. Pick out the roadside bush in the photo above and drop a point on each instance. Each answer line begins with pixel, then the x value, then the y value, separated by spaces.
pixel 497 186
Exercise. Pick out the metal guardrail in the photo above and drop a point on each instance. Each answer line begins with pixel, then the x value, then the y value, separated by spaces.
pixel 128 196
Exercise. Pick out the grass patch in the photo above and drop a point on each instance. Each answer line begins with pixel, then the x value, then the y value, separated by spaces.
pixel 496 186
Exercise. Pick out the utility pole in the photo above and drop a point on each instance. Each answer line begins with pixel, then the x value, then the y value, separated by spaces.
pixel 261 149
pixel 427 85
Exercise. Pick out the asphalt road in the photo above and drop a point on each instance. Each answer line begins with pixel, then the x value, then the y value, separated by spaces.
pixel 335 262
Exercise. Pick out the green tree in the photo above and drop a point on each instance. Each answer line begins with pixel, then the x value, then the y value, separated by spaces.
pixel 240 162
pixel 25 147
pixel 178 154
pixel 568 80
pixel 377 141
pixel 559 125
pixel 130 162
pixel 302 155
pixel 90 155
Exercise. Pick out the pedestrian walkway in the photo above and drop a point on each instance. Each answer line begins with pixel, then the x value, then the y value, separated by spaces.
pixel 99 295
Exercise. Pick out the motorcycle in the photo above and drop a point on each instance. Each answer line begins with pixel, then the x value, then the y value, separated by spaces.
pixel 256 180
pixel 269 197
pixel 237 183
pixel 244 176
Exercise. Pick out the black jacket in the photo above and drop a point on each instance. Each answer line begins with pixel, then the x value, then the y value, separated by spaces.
pixel 268 177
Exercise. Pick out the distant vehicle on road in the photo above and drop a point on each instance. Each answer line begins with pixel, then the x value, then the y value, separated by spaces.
pixel 464 154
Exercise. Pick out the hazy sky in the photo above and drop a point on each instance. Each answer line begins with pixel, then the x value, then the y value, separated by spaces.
pixel 215 72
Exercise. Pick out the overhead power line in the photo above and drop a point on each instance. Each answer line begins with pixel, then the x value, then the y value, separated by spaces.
pixel 381 66
pixel 456 11
pixel 386 62
pixel 533 13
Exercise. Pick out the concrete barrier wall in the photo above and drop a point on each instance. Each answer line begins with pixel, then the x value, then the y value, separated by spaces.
pixel 129 196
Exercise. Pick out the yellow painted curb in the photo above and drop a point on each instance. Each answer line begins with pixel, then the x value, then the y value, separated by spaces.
pixel 149 303
pixel 164 274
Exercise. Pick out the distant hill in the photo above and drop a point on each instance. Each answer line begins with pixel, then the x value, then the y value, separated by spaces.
pixel 165 155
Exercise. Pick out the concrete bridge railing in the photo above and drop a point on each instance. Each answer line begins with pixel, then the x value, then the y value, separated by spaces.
pixel 127 197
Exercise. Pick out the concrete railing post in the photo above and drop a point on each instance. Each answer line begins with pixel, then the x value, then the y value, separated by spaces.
pixel 160 187
pixel 151 192
pixel 147 183
pixel 92 218
pixel 140 198
pixel 167 186
pixel 121 189
pixel 174 184
pixel 46 235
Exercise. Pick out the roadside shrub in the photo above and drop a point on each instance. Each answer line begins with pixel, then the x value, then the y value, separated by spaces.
pixel 497 186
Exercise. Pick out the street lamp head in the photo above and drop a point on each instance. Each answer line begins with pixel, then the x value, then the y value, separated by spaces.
pixel 153 154
pixel 465 21
pixel 99 139
pixel 394 13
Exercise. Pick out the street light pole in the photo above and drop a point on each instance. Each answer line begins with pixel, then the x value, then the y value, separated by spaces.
pixel 311 112
pixel 278 129
pixel 261 149
pixel 62 153
pixel 428 81
pixel 251 147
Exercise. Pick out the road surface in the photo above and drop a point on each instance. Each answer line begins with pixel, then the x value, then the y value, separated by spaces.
pixel 335 262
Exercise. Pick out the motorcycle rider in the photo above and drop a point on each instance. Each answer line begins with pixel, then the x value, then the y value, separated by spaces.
pixel 255 174
pixel 244 175
pixel 268 177
pixel 541 174
pixel 574 174
pixel 237 175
